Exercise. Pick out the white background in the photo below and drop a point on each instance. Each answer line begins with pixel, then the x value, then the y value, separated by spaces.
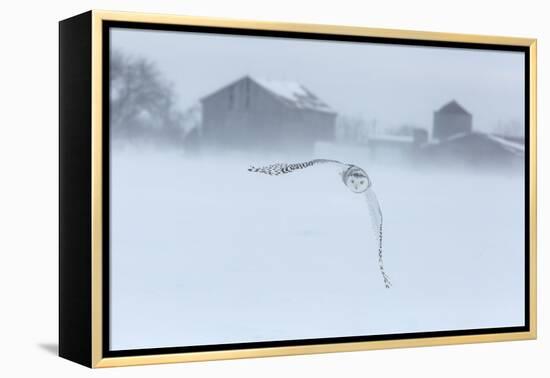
pixel 29 174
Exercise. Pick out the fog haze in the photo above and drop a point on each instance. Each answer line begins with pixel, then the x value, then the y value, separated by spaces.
pixel 203 251
pixel 392 84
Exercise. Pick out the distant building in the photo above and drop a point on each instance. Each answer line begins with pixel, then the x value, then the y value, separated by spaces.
pixel 451 119
pixel 475 149
pixel 396 148
pixel 453 143
pixel 259 114
pixel 420 136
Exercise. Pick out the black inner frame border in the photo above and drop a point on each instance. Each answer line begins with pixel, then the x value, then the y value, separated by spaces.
pixel 107 25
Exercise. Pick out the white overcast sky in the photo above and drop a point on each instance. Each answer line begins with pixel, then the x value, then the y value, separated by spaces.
pixel 390 83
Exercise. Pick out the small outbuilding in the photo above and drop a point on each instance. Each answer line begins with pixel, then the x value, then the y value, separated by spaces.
pixel 451 119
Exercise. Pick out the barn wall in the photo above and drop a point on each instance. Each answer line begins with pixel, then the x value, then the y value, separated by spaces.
pixel 304 127
pixel 246 116
pixel 242 116
pixel 449 124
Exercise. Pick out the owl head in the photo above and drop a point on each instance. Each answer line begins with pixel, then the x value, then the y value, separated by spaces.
pixel 356 179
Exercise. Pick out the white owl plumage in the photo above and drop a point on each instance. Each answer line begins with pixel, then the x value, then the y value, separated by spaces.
pixel 357 180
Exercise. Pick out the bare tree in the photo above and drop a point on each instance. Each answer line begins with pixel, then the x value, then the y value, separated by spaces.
pixel 352 129
pixel 142 102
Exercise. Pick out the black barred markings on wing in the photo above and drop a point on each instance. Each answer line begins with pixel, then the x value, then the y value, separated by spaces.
pixel 357 180
pixel 281 168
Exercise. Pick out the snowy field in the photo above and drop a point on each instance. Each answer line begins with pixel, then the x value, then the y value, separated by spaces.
pixel 204 252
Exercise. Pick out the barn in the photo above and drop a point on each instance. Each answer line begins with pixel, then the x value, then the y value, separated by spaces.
pixel 476 149
pixel 265 115
pixel 451 119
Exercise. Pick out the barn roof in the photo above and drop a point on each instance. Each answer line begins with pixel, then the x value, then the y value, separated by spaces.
pixel 289 92
pixel 388 138
pixel 453 107
pixel 293 93
pixel 515 148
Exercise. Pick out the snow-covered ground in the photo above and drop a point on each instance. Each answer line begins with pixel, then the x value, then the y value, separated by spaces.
pixel 204 252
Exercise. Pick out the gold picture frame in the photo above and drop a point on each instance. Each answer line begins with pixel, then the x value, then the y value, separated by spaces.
pixel 82 240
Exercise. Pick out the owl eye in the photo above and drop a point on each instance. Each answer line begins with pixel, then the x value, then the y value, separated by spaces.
pixel 353 181
pixel 361 182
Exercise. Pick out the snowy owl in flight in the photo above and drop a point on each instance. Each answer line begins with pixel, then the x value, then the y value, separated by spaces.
pixel 356 179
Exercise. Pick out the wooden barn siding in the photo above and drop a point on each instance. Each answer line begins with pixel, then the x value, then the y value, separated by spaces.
pixel 253 124
pixel 303 127
pixel 262 121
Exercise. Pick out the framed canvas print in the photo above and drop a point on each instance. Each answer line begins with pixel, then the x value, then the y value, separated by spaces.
pixel 236 189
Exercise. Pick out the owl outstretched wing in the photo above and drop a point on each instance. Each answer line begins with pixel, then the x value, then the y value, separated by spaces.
pixel 375 214
pixel 373 205
pixel 282 168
